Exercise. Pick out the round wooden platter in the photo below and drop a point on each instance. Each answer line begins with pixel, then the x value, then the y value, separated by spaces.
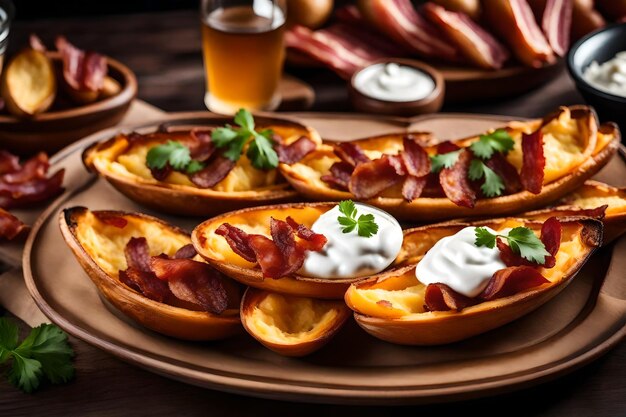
pixel 581 323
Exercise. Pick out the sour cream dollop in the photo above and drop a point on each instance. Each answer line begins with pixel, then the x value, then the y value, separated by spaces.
pixel 609 76
pixel 348 255
pixel 393 82
pixel 457 262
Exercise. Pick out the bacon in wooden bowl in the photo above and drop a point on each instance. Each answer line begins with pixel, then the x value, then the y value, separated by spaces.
pixel 210 169
pixel 146 269
pixel 522 166
pixel 308 249
pixel 462 298
pixel 291 325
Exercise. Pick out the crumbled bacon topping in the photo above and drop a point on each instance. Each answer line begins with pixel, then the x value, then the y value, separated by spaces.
pixel 295 151
pixel 10 226
pixel 533 161
pixel 550 237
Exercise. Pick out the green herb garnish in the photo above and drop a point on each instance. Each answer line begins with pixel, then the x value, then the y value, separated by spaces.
pixel 493 185
pixel 233 139
pixel 365 224
pixel 497 141
pixel 521 240
pixel 444 160
pixel 175 154
pixel 44 353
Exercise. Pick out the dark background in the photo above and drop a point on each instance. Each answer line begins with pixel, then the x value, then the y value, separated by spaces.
pixel 38 9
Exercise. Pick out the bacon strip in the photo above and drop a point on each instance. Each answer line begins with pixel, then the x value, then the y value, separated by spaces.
pixel 413 187
pixel 137 253
pixel 10 226
pixel 34 168
pixel 146 283
pixel 81 70
pixel 339 176
pixel 455 182
pixel 351 153
pixel 533 162
pixel 295 151
pixel 34 191
pixel 501 166
pixel 238 240
pixel 8 162
pixel 415 158
pixel 510 281
pixel 556 24
pixel 193 282
pixel 371 178
pixel 312 241
pixel 186 252
pixel 202 147
pixel 440 297
pixel 111 219
pixel 474 42
pixel 213 173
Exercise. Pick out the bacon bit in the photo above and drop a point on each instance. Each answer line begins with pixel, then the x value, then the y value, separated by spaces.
pixel 186 252
pixel 534 161
pixel 283 238
pixel 267 255
pixel 81 70
pixel 312 241
pixel 10 226
pixel 339 176
pixel 238 240
pixel 294 152
pixel 551 231
pixel 8 162
pixel 161 174
pixel 397 164
pixel 351 153
pixel 34 191
pixel 440 297
pixel 384 303
pixel 510 281
pixel 35 168
pixel 146 283
pixel 447 147
pixel 213 173
pixel 371 178
pixel 35 43
pixel 111 219
pixel 193 282
pixel 137 253
pixel 415 158
pixel 455 182
pixel 413 187
pixel 202 147
pixel 499 164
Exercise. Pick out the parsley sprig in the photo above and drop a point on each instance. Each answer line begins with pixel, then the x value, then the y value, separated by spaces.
pixel 521 240
pixel 493 185
pixel 45 353
pixel 444 160
pixel 364 224
pixel 175 154
pixel 496 141
pixel 233 139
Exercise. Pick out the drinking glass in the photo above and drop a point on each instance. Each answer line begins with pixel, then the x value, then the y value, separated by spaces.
pixel 242 44
pixel 6 15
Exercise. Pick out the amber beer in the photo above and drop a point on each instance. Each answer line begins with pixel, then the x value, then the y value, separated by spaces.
pixel 243 55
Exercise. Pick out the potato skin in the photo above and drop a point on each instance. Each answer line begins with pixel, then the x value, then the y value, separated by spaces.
pixel 162 318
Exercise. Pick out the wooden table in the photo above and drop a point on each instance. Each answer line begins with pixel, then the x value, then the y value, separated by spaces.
pixel 164 51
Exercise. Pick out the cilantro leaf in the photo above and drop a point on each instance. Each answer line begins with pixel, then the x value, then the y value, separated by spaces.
pixel 235 147
pixel 244 119
pixel 261 153
pixel 179 155
pixel 484 238
pixel 194 166
pixel 222 135
pixel 172 152
pixel 444 160
pixel 365 224
pixel 497 141
pixel 45 352
pixel 521 240
pixel 493 185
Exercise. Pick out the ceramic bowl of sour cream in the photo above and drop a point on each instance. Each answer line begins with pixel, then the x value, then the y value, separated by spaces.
pixel 402 87
pixel 597 63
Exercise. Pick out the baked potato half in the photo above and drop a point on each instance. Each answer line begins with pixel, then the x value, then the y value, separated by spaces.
pixel 121 161
pixel 575 148
pixel 98 240
pixel 291 325
pixel 391 307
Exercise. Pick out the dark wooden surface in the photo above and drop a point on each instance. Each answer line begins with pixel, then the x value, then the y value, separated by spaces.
pixel 164 50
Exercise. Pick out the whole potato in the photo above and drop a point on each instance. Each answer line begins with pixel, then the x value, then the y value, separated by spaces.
pixel 309 13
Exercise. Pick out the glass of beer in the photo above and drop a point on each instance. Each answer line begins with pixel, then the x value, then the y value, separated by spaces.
pixel 242 43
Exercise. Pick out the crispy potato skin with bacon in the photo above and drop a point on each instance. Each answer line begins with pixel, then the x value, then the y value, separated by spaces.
pixel 576 149
pixel 99 248
pixel 391 307
pixel 111 160
pixel 291 325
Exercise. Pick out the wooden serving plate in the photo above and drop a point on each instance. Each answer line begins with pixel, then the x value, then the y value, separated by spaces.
pixel 581 323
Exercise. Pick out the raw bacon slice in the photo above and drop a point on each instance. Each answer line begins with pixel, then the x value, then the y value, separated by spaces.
pixel 474 42
pixel 533 161
pixel 10 226
pixel 339 176
pixel 510 281
pixel 295 151
pixel 440 297
pixel 513 20
pixel 399 20
pixel 551 231
pixel 193 282
pixel 556 24
pixel 237 240
pixel 350 153
pixel 364 37
pixel 8 162
pixel 371 178
pixel 501 166
pixel 455 182
pixel 111 219
pixel 213 173
pixel 35 191
pixel 81 70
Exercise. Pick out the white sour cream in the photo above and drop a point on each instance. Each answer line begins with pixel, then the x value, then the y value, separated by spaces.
pixel 393 82
pixel 457 262
pixel 348 255
pixel 609 76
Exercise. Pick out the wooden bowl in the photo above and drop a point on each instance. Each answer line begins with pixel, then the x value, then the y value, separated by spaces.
pixel 55 129
pixel 430 104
